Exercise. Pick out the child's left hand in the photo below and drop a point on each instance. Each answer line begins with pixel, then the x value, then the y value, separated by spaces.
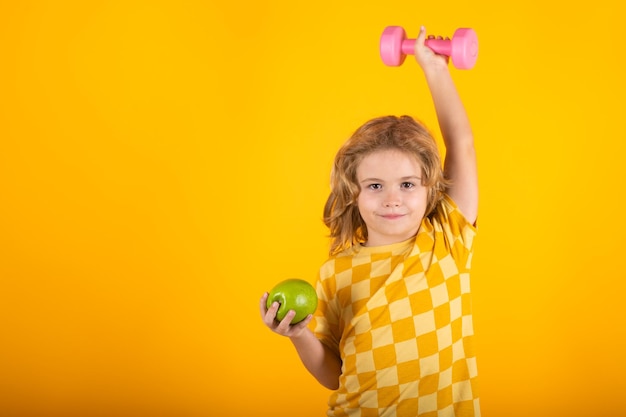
pixel 426 57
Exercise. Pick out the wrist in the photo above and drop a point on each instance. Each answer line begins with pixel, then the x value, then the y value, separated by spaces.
pixel 436 75
pixel 436 69
pixel 301 337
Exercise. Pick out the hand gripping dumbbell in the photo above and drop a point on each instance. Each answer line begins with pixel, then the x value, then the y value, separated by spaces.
pixel 462 48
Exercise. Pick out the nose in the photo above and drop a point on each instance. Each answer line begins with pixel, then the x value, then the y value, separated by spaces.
pixel 392 199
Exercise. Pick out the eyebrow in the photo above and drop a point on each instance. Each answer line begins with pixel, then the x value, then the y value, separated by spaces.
pixel 409 177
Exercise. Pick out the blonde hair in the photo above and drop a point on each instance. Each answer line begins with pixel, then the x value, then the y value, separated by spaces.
pixel 341 212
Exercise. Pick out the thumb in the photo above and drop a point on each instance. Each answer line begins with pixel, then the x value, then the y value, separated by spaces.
pixel 421 37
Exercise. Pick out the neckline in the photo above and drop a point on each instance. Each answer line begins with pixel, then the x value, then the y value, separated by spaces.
pixel 392 247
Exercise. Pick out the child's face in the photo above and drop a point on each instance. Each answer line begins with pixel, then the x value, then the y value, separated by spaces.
pixel 392 201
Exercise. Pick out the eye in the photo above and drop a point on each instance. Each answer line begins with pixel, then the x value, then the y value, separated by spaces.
pixel 375 186
pixel 407 185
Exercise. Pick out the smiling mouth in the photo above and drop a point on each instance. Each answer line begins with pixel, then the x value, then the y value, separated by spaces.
pixel 392 216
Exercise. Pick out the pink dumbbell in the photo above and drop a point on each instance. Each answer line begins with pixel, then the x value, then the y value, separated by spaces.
pixel 462 48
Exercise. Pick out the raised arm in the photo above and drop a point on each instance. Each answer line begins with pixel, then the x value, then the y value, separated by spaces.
pixel 460 160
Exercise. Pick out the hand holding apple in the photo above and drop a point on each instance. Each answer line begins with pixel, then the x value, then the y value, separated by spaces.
pixel 293 294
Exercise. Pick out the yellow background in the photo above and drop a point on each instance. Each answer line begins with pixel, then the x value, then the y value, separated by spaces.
pixel 163 163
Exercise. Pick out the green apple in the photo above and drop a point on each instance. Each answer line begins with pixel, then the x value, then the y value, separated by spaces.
pixel 293 294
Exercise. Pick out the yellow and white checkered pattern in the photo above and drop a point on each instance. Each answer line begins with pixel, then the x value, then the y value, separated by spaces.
pixel 400 318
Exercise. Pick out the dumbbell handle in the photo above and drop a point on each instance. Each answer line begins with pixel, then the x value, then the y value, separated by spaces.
pixel 440 46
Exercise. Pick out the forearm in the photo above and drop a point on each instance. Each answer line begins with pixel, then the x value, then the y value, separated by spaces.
pixel 318 359
pixel 460 161
pixel 451 115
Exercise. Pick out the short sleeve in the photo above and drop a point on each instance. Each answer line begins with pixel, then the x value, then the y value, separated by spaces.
pixel 458 232
pixel 326 320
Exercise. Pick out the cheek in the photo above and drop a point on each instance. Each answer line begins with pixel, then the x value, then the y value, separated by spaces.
pixel 421 199
pixel 364 204
pixel 360 201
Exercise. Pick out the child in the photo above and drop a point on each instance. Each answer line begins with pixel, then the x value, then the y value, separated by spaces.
pixel 393 330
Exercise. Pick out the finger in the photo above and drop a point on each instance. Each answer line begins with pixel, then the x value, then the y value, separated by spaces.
pixel 263 304
pixel 270 315
pixel 285 323
pixel 305 322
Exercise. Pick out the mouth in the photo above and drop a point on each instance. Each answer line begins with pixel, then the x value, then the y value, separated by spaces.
pixel 392 216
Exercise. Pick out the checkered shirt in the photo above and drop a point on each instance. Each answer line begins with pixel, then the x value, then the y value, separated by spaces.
pixel 399 316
